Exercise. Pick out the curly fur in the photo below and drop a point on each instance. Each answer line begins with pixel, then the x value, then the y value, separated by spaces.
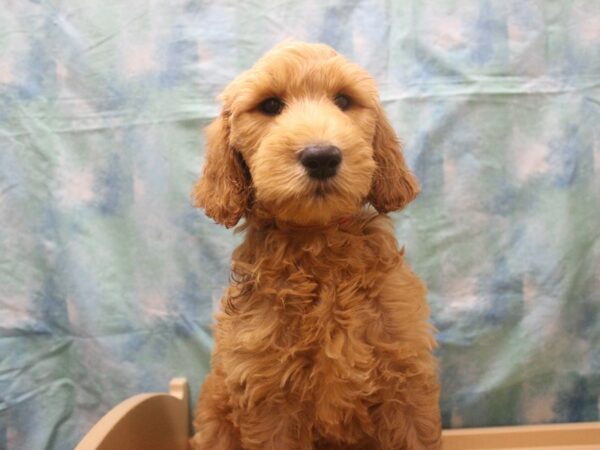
pixel 322 341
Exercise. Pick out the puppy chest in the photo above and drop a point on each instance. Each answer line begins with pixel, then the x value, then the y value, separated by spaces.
pixel 318 339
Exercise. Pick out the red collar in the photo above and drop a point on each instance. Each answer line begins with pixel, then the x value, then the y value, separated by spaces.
pixel 344 220
pixel 340 221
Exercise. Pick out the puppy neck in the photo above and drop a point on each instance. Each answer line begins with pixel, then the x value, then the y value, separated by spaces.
pixel 348 222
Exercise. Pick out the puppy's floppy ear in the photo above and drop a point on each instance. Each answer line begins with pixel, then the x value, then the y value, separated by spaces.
pixel 224 189
pixel 393 185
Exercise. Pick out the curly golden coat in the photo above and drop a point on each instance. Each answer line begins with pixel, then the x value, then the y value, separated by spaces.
pixel 322 340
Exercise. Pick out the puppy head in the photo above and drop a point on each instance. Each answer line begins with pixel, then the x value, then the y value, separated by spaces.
pixel 302 137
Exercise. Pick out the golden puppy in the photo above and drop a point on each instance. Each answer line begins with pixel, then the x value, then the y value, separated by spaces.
pixel 322 341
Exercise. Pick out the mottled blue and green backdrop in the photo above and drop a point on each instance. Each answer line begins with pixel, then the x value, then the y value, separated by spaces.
pixel 108 276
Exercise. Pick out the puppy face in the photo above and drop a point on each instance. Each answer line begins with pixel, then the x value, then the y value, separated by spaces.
pixel 303 138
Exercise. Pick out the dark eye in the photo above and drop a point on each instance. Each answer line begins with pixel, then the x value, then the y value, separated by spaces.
pixel 342 101
pixel 271 106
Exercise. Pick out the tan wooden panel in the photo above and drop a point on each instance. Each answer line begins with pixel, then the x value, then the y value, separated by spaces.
pixel 574 436
pixel 144 422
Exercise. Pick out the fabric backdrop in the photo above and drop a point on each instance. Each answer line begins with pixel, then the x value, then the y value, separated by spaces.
pixel 108 276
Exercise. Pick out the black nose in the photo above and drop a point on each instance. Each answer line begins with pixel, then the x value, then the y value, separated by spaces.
pixel 321 161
